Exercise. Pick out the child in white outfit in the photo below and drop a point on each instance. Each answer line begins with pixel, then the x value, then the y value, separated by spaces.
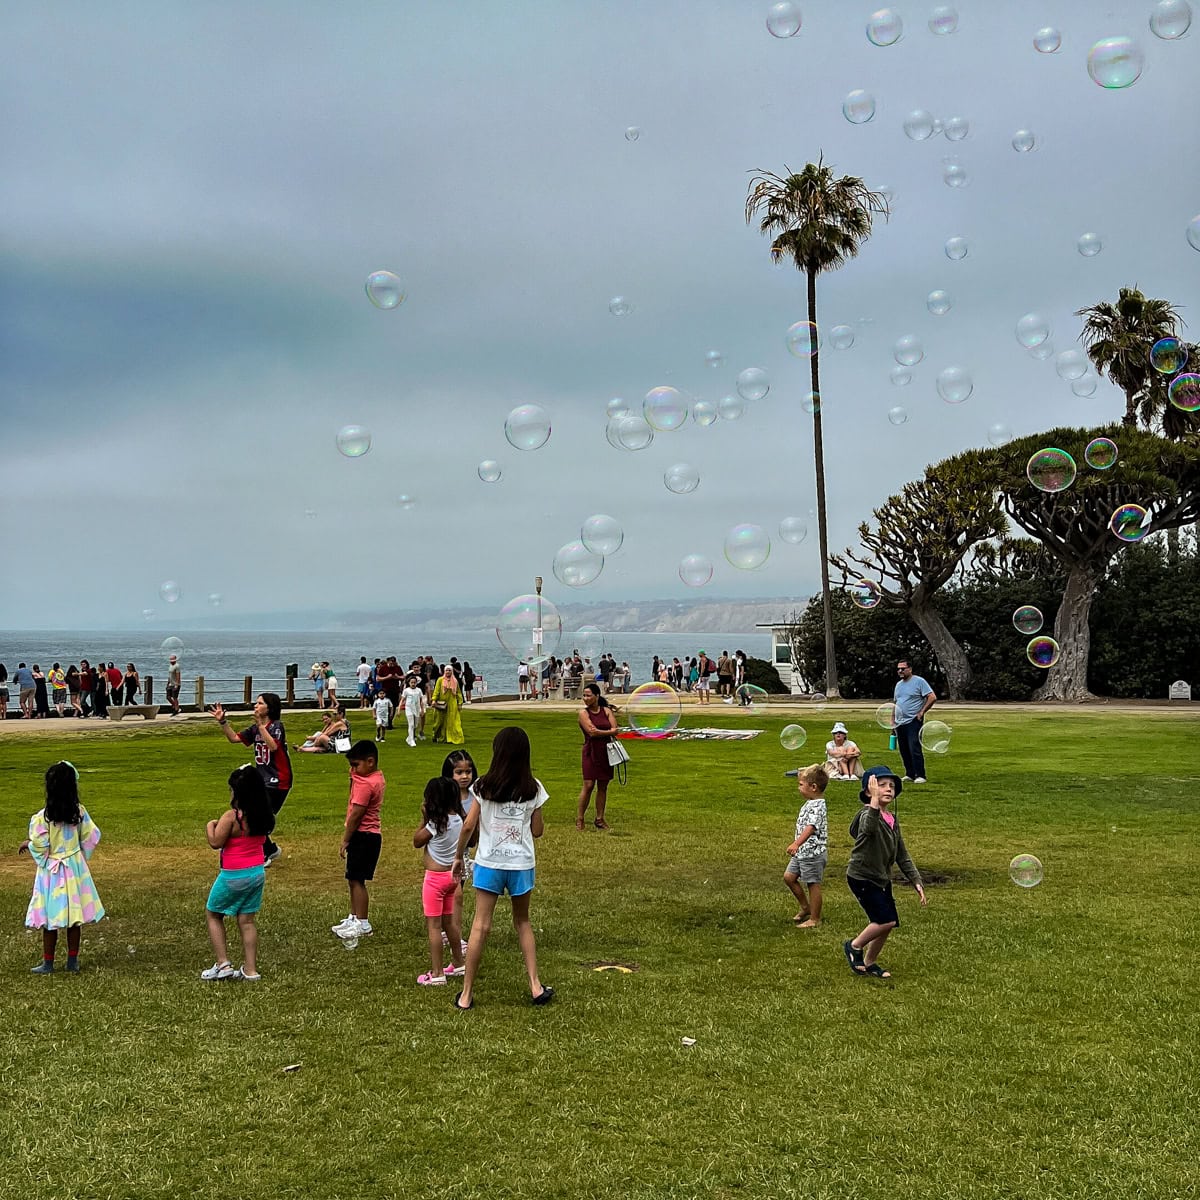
pixel 413 699
pixel 383 714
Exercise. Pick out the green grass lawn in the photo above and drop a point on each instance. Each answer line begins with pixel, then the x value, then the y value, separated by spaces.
pixel 1036 1043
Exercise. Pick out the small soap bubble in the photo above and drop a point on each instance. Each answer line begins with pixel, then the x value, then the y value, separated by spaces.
pixel 1042 351
pixel 653 710
pixel 169 591
pixel 1193 232
pixel 172 645
pixel 1085 385
pixel 897 414
pixel 1032 330
pixel 619 306
pixel 956 128
pixel 695 570
pixel 1051 470
pixel 1101 453
pixel 1130 523
pixel 943 20
pixel 884 28
pixel 908 350
pixel 865 593
pixel 956 248
pixel 1027 619
pixel 803 340
pixel 751 697
pixel 353 441
pixel 147 614
pixel 1024 140
pixel 489 470
pixel 885 716
pixel 811 403
pixel 602 534
pixel 900 376
pixel 999 434
pixel 841 337
pixel 954 384
pixel 888 193
pixel 1025 870
pixel 406 502
pixel 747 547
pixel 1089 244
pixel 783 19
pixel 576 566
pixel 527 427
pixel 665 409
pixel 935 737
pixel 939 302
pixel 1115 62
pixel 616 407
pixel 918 125
pixel 1170 19
pixel 954 174
pixel 632 133
pixel 938 126
pixel 1047 40
pixel 1184 393
pixel 793 737
pixel 1168 356
pixel 215 599
pixel 731 408
pixel 384 289
pixel 1042 651
pixel 714 359
pixel 752 384
pixel 634 432
pixel 858 107
pixel 793 530
pixel 1070 364
pixel 681 478
pixel 704 412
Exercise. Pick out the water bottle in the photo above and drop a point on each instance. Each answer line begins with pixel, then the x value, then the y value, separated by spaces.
pixel 892 740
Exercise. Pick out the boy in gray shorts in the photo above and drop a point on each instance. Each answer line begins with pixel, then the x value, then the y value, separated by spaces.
pixel 808 851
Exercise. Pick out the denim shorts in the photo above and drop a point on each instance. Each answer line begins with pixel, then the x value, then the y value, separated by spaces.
pixel 500 880
pixel 238 891
pixel 808 870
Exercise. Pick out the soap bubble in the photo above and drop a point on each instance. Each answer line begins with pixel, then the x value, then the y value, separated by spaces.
pixel 884 28
pixel 803 341
pixel 653 710
pixel 1100 453
pixel 1042 351
pixel 633 432
pixel 172 645
pixel 1047 40
pixel 602 534
pixel 632 133
pixel 519 622
pixel 1042 651
pixel 783 19
pixel 665 408
pixel 147 614
pixel 865 593
pixel 841 337
pixel 954 174
pixel 310 512
pixel 406 501
pixel 1168 356
pixel 695 570
pixel 956 248
pixel 681 479
pixel 714 359
pixel 793 737
pixel 1024 140
pixel 747 547
pixel 576 566
pixel 939 302
pixel 918 125
pixel 384 289
pixel 215 599
pixel 589 640
pixel 954 384
pixel 1115 62
pixel 616 407
pixel 1184 393
pixel 619 306
pixel 956 128
pixel 943 20
pixel 999 434
pixel 793 530
pixel 898 414
pixel 704 412
pixel 1089 244
pixel 489 470
pixel 1085 385
pixel 731 408
pixel 1025 870
pixel 169 591
pixel 858 107
pixel 1032 330
pixel 750 696
pixel 1193 232
pixel 1170 19
pixel 1051 470
pixel 1071 364
pixel 888 193
pixel 900 376
pixel 885 716
pixel 908 350
pixel 935 737
pixel 1130 523
pixel 753 384
pixel 527 427
pixel 811 402
pixel 353 441
pixel 817 699
pixel 1027 619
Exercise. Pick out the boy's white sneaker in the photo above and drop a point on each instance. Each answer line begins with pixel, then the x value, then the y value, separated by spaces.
pixel 218 971
pixel 345 923
pixel 920 779
pixel 362 928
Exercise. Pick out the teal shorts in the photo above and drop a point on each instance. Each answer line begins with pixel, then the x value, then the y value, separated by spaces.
pixel 239 891
pixel 499 881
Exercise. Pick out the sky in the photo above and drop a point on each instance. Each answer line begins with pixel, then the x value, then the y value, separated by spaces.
pixel 194 196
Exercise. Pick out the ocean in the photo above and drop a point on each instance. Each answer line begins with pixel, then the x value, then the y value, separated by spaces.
pixel 224 658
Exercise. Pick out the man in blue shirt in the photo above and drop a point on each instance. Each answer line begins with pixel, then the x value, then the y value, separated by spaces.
pixel 913 698
pixel 23 678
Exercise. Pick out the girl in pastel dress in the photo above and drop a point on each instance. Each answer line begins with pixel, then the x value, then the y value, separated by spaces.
pixel 61 839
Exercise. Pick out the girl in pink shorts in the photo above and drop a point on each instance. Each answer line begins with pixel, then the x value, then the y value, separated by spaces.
pixel 437 836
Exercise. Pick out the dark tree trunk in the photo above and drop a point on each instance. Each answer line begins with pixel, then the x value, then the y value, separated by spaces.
pixel 950 655
pixel 831 675
pixel 1067 679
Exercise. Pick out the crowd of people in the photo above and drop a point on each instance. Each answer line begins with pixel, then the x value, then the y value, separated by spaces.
pixel 79 690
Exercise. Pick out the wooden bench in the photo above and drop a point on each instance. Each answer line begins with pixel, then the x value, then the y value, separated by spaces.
pixel 118 712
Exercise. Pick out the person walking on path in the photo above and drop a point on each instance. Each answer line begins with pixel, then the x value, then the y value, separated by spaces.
pixel 173 684
pixel 447 709
pixel 913 698
pixel 363 674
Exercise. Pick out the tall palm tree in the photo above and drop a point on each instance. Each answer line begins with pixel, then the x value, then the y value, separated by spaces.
pixel 819 222
pixel 1158 414
pixel 1118 338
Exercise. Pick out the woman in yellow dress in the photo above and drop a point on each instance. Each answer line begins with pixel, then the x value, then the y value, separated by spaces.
pixel 447 709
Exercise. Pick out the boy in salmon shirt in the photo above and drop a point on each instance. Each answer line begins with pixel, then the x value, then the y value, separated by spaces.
pixel 362 837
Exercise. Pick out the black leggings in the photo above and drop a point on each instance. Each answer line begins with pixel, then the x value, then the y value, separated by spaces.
pixel 275 797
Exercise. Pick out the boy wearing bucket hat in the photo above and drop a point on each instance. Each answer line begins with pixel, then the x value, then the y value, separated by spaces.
pixel 878 844
pixel 843 759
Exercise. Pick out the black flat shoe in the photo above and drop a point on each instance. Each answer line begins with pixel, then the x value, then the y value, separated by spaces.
pixel 462 1007
pixel 544 996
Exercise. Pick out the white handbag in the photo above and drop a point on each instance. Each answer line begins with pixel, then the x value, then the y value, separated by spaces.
pixel 617 754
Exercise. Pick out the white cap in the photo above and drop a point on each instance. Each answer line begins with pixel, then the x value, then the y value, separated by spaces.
pixel 838 727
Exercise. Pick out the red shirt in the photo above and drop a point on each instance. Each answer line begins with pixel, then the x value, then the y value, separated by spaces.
pixel 116 677
pixel 366 792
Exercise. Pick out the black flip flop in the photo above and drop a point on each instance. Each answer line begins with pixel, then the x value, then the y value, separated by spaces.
pixel 462 1007
pixel 544 996
pixel 878 972
pixel 854 958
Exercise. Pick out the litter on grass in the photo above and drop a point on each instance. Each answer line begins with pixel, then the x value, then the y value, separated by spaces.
pixel 687 1041
pixel 291 1067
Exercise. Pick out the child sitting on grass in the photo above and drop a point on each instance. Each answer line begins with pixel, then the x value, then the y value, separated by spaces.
pixel 843 759
pixel 809 850
pixel 61 839
pixel 437 836
pixel 362 835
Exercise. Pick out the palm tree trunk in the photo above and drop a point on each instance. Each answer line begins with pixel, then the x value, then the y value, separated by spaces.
pixel 831 675
pixel 1067 679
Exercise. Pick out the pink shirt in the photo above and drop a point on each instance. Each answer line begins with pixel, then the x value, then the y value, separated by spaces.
pixel 241 851
pixel 887 816
pixel 366 791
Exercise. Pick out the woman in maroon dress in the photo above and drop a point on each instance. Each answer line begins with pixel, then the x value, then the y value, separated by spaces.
pixel 597 719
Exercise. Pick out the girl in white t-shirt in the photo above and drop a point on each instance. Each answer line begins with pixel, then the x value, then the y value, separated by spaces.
pixel 508 817
pixel 438 835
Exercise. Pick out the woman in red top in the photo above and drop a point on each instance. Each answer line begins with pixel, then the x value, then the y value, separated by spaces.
pixel 599 724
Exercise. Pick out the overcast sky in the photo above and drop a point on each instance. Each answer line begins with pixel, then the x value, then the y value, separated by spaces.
pixel 194 196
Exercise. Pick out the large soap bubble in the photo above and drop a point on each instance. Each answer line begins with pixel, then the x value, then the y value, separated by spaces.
pixel 751 696
pixel 1100 453
pixel 576 566
pixel 529 626
pixel 1051 470
pixel 1027 619
pixel 1115 62
pixel 1184 393
pixel 954 384
pixel 747 547
pixel 681 478
pixel 918 125
pixel 1130 523
pixel 384 289
pixel 602 534
pixel 1025 870
pixel 858 107
pixel 884 28
pixel 527 427
pixel 353 441
pixel 695 570
pixel 793 737
pixel 1085 385
pixel 783 19
pixel 1168 355
pixel 665 408
pixel 885 716
pixel 653 710
pixel 172 645
pixel 793 530
pixel 803 339
pixel 1042 651
pixel 865 593
pixel 1089 244
pixel 935 737
pixel 999 434
pixel 753 384
pixel 1170 19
